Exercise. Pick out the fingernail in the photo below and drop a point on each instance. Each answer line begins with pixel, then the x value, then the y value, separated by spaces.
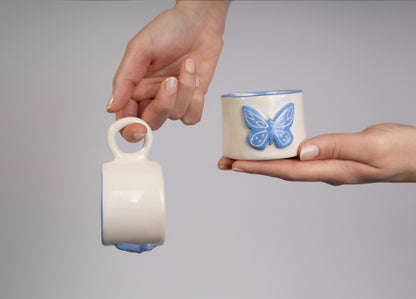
pixel 222 167
pixel 190 65
pixel 171 85
pixel 110 102
pixel 197 81
pixel 309 152
pixel 138 136
pixel 237 169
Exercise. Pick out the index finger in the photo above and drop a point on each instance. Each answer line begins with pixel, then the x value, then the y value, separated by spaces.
pixel 131 70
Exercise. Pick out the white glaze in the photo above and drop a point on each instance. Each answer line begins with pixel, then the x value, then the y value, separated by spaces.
pixel 235 131
pixel 133 195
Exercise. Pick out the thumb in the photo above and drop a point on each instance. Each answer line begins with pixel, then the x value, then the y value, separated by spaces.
pixel 133 67
pixel 350 146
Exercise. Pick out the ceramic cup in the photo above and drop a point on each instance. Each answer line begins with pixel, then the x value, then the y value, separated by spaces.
pixel 133 195
pixel 262 125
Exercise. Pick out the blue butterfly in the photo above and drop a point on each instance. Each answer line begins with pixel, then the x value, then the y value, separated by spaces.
pixel 266 131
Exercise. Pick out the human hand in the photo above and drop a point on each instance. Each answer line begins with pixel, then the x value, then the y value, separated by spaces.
pixel 380 153
pixel 168 65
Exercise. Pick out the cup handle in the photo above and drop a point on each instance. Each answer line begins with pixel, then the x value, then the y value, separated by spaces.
pixel 141 154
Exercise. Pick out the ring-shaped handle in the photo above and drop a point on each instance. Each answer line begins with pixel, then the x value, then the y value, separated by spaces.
pixel 120 124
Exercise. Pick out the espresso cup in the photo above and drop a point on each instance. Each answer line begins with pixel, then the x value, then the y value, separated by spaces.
pixel 133 195
pixel 262 125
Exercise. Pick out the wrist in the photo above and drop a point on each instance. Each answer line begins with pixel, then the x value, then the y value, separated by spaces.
pixel 412 151
pixel 212 13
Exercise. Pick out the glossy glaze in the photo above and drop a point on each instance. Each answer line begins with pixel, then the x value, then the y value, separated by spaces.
pixel 248 133
pixel 133 195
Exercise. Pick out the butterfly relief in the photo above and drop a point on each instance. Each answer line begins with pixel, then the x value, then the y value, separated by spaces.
pixel 264 131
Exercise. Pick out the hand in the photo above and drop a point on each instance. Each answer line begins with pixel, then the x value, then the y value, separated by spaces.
pixel 380 153
pixel 168 65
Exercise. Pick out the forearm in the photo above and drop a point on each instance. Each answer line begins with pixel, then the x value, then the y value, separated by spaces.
pixel 211 12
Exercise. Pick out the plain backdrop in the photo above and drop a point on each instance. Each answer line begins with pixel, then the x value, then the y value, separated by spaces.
pixel 229 235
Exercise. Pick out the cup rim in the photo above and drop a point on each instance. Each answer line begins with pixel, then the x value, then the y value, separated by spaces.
pixel 248 94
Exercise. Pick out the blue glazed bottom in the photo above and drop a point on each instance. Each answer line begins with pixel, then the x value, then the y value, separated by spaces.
pixel 135 248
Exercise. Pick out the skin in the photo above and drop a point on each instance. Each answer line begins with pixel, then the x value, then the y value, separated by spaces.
pixel 153 81
pixel 380 153
pixel 165 73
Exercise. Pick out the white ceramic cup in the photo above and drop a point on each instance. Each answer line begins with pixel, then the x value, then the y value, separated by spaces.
pixel 262 125
pixel 133 195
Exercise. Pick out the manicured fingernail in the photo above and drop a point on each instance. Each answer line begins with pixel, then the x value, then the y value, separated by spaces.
pixel 190 65
pixel 237 169
pixel 171 85
pixel 110 102
pixel 197 81
pixel 309 152
pixel 138 136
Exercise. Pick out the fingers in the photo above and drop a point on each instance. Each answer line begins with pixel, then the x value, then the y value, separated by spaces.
pixel 155 101
pixel 154 112
pixel 190 100
pixel 332 171
pixel 194 113
pixel 187 84
pixel 133 67
pixel 286 169
pixel 159 110
pixel 133 132
pixel 183 101
pixel 333 158
pixel 175 99
pixel 225 163
pixel 352 146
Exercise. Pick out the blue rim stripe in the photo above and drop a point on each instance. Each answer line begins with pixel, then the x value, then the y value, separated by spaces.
pixel 260 93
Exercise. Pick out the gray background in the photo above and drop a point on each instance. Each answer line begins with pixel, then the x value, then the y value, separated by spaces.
pixel 229 235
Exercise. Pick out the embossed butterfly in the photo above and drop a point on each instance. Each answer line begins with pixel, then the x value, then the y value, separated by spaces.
pixel 266 131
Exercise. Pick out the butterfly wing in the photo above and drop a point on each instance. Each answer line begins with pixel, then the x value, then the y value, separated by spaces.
pixel 281 126
pixel 258 139
pixel 259 134
pixel 253 119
